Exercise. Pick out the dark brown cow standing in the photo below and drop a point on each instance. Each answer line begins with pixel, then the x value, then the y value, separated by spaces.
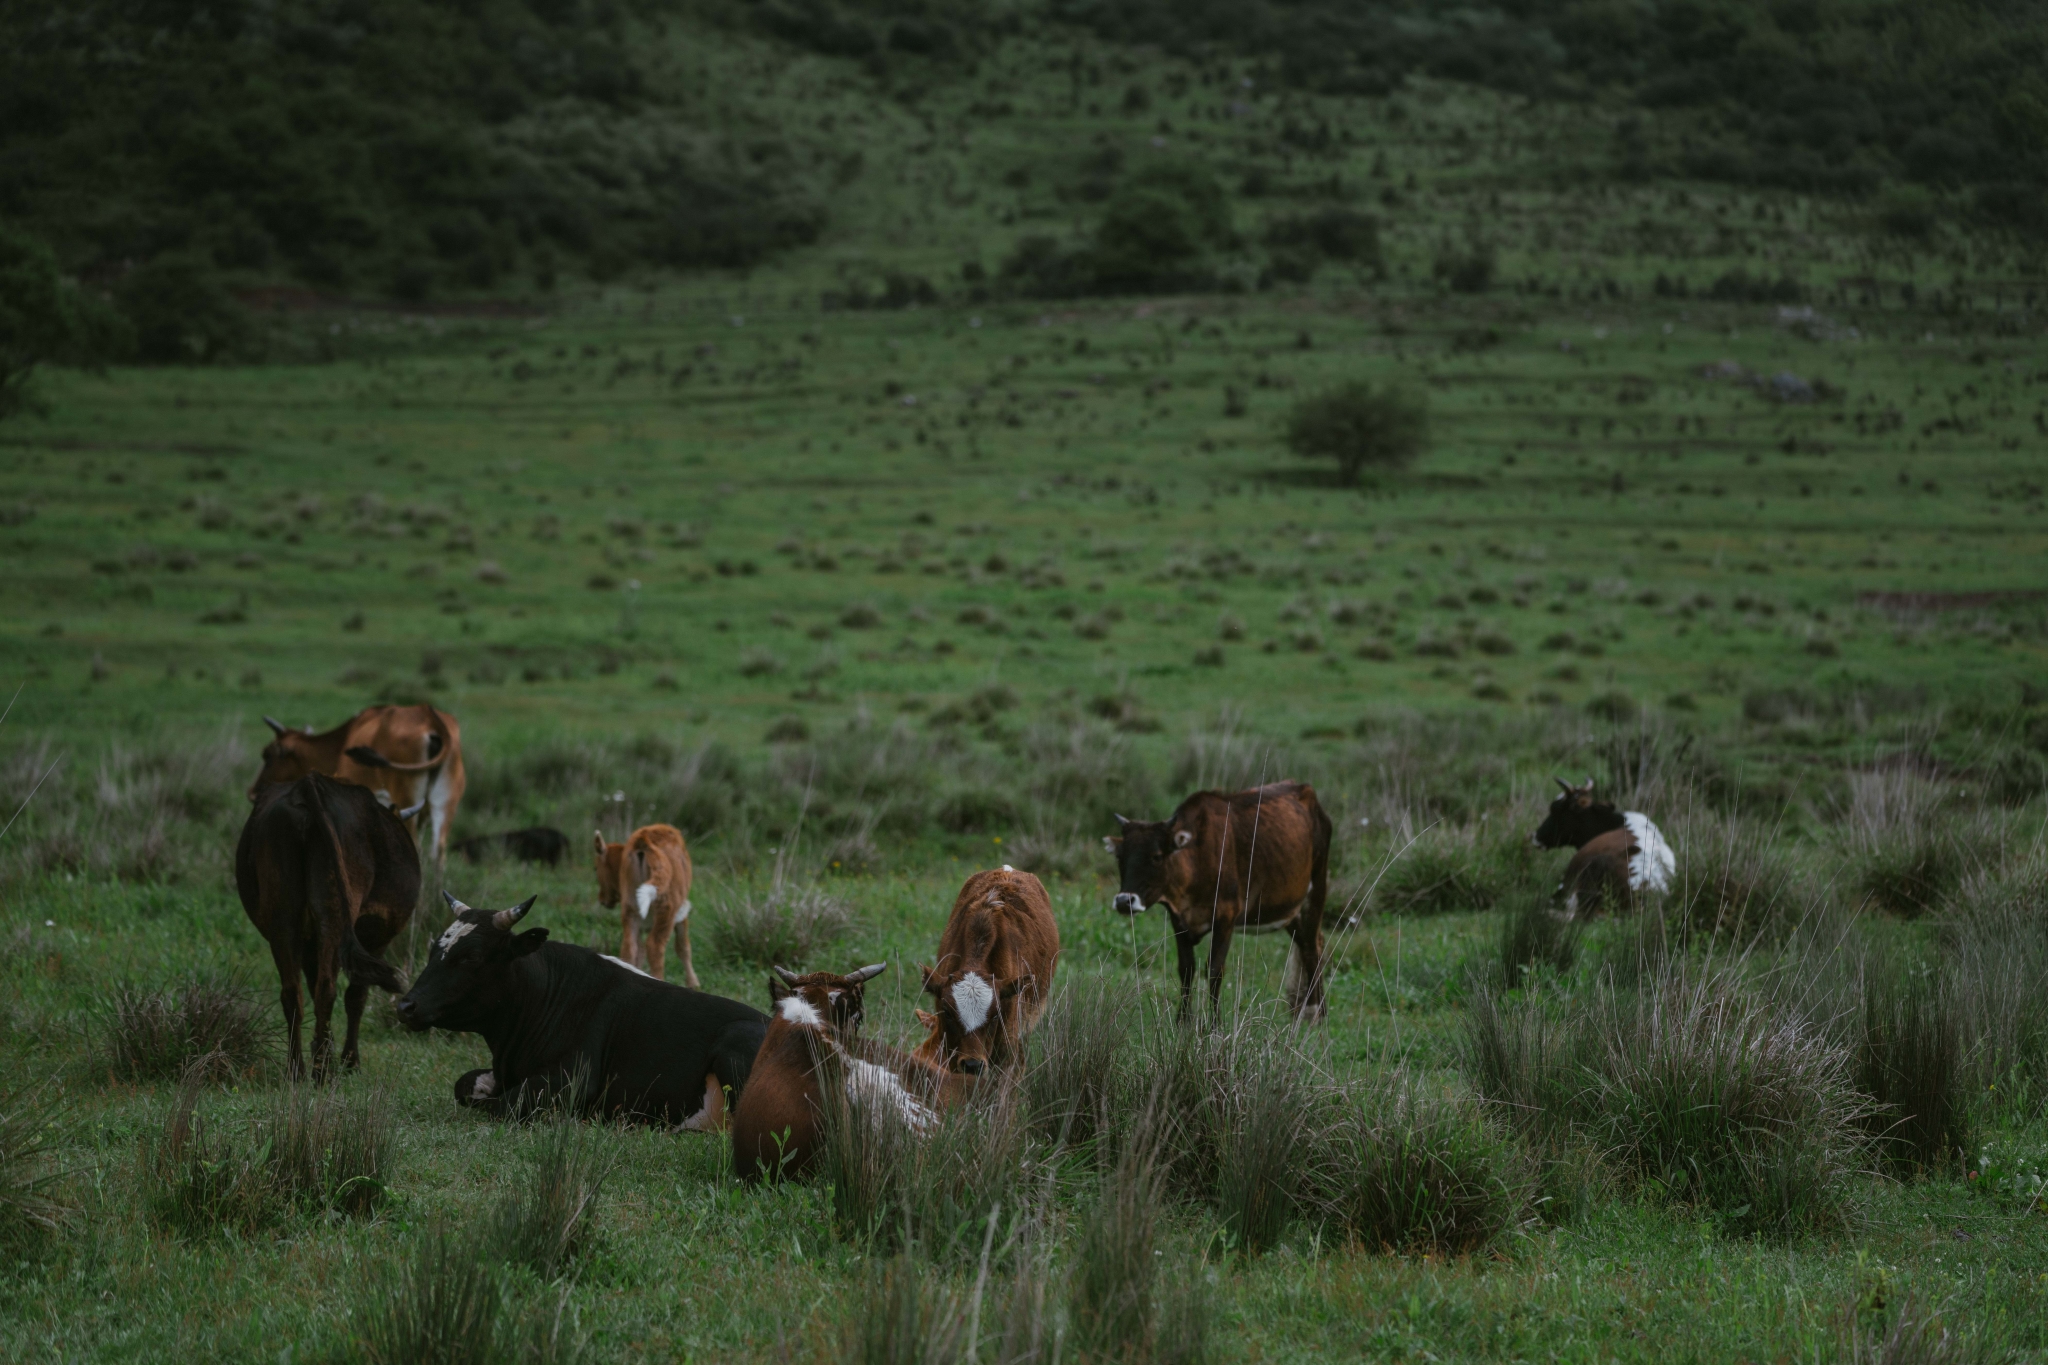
pixel 1250 860
pixel 996 960
pixel 813 1042
pixel 328 877
pixel 411 754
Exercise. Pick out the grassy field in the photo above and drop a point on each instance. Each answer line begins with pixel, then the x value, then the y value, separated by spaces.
pixel 866 599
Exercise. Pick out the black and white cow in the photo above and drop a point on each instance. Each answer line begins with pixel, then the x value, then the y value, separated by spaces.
pixel 1621 854
pixel 567 1021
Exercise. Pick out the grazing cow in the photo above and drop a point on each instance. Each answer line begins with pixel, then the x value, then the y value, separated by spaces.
pixel 814 1042
pixel 1621 854
pixel 993 974
pixel 568 1022
pixel 409 755
pixel 655 862
pixel 538 844
pixel 328 876
pixel 1256 861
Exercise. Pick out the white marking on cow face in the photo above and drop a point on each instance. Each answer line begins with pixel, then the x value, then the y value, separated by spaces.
pixel 798 1011
pixel 644 896
pixel 623 963
pixel 484 1086
pixel 867 1083
pixel 972 999
pixel 453 935
pixel 1008 868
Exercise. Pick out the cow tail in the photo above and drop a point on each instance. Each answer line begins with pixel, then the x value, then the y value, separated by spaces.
pixel 364 967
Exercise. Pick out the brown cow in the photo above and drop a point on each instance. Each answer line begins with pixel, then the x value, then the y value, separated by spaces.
pixel 409 755
pixel 995 967
pixel 328 877
pixel 655 862
pixel 813 1042
pixel 1255 860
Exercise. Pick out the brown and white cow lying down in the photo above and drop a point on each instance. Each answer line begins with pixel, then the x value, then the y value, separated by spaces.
pixel 409 755
pixel 1256 860
pixel 1621 854
pixel 994 971
pixel 648 878
pixel 813 1043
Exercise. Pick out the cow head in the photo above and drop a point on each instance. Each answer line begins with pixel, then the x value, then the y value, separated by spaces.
pixel 967 1015
pixel 611 860
pixel 468 972
pixel 1575 817
pixel 1147 870
pixel 822 998
pixel 288 757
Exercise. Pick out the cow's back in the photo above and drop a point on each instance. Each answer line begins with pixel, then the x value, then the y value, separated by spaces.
pixel 665 858
pixel 1002 925
pixel 1597 877
pixel 1258 847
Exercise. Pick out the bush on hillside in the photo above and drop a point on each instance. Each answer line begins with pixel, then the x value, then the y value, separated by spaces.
pixel 1360 425
pixel 1161 230
pixel 44 319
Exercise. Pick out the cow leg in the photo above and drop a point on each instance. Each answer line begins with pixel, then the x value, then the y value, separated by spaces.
pixel 1304 976
pixel 1184 949
pixel 352 1004
pixel 629 931
pixel 289 997
pixel 683 946
pixel 1219 952
pixel 657 946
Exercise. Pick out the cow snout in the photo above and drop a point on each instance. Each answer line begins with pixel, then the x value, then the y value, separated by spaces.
pixel 409 1013
pixel 972 1065
pixel 1127 903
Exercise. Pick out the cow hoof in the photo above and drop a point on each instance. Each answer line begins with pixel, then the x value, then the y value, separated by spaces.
pixel 473 1088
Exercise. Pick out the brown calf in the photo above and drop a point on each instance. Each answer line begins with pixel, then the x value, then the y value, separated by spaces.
pixel 648 878
pixel 409 755
pixel 813 1042
pixel 994 972
pixel 1255 860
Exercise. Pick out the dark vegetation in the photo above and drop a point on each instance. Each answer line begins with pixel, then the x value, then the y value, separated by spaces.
pixel 1360 426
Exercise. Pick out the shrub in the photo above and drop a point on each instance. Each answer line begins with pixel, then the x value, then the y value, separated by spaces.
pixel 181 313
pixel 547 1221
pixel 1409 1170
pixel 1158 230
pixel 156 1034
pixel 44 319
pixel 1465 271
pixel 786 925
pixel 1339 234
pixel 1358 425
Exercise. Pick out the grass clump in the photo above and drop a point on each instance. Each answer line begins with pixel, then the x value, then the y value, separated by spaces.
pixel 1535 939
pixel 1910 1062
pixel 28 1204
pixel 788 925
pixel 1734 880
pixel 1994 936
pixel 548 1221
pixel 157 1033
pixel 893 1188
pixel 1454 868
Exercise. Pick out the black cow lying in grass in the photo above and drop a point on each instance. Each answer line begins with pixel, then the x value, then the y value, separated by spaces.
pixel 1621 854
pixel 568 1024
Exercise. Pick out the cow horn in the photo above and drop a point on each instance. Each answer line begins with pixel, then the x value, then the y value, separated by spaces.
pixel 1562 783
pixel 413 809
pixel 453 904
pixel 505 919
pixel 788 976
pixel 868 972
pixel 276 727
pixel 1121 822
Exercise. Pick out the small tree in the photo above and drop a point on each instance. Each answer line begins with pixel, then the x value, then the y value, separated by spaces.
pixel 43 319
pixel 1358 425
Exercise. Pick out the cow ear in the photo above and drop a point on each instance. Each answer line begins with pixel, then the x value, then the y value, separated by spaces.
pixel 1110 844
pixel 777 991
pixel 930 977
pixel 528 942
pixel 599 836
pixel 1183 837
pixel 1015 984
pixel 927 1019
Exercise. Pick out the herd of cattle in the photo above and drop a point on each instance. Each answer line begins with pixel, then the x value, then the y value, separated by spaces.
pixel 328 870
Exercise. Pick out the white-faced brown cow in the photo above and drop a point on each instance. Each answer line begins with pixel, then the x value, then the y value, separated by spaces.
pixel 1256 860
pixel 648 879
pixel 813 1043
pixel 1621 854
pixel 994 971
pixel 408 755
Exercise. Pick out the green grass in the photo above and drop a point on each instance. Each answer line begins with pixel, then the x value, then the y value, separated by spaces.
pixel 971 622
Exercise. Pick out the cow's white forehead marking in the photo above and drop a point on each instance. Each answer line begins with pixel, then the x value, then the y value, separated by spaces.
pixel 623 963
pixel 1008 868
pixel 643 896
pixel 972 998
pixel 452 935
pixel 798 1010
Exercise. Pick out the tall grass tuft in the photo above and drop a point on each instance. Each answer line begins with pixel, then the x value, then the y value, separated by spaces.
pixel 28 1203
pixel 1070 1086
pixel 205 1176
pixel 156 1033
pixel 788 925
pixel 438 1306
pixel 1916 1335
pixel 548 1221
pixel 1456 868
pixel 1113 1280
pixel 891 1187
pixel 331 1148
pixel 1534 940
pixel 1697 1086
pixel 1900 850
pixel 1407 1169
pixel 1265 1112
pixel 1735 880
pixel 1994 936
pixel 908 1318
pixel 1910 1063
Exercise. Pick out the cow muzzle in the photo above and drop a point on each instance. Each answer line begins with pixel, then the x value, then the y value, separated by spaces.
pixel 409 1015
pixel 973 1066
pixel 1127 904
